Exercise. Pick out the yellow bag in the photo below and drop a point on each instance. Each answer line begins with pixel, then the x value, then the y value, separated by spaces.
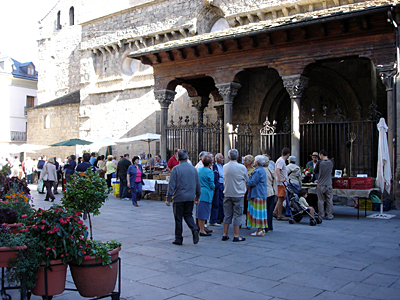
pixel 116 188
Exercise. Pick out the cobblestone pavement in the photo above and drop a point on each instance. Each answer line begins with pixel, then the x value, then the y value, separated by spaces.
pixel 341 259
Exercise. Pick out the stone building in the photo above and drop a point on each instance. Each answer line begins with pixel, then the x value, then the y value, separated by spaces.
pixel 305 74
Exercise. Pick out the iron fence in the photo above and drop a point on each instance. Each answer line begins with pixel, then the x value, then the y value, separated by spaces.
pixel 334 135
pixel 242 139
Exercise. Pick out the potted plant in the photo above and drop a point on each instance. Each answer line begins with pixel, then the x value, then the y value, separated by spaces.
pixel 20 204
pixel 87 194
pixel 10 244
pixel 60 236
pixel 8 184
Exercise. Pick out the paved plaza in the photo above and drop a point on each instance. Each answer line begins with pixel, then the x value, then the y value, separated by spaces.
pixel 341 259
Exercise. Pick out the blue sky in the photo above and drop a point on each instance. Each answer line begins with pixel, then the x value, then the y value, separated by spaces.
pixel 20 28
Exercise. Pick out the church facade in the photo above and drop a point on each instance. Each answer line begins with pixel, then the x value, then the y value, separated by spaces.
pixel 308 75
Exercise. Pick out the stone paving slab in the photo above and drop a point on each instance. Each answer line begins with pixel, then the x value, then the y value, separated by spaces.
pixel 341 259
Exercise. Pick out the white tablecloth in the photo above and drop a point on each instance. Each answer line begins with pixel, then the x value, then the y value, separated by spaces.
pixel 150 184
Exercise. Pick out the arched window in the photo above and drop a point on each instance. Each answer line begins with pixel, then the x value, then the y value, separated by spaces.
pixel 220 24
pixel 58 20
pixel 71 16
pixel 46 122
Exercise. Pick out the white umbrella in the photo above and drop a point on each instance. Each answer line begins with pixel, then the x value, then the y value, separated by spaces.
pixel 147 137
pixel 384 174
pixel 103 143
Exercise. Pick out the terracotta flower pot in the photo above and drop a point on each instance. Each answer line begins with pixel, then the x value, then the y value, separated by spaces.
pixel 92 279
pixel 6 253
pixel 13 227
pixel 55 279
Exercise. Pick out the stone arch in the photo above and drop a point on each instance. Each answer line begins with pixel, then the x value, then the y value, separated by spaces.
pixel 207 17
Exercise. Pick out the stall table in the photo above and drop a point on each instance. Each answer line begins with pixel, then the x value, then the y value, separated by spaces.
pixel 348 194
pixel 158 186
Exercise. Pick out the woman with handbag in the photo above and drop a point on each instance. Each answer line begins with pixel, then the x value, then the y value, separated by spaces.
pixel 49 176
pixel 134 179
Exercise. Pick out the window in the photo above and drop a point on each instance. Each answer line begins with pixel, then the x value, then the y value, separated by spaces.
pixel 47 122
pixel 30 101
pixel 31 71
pixel 58 20
pixel 71 16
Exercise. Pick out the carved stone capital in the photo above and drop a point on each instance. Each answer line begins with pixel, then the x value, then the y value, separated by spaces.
pixel 228 91
pixel 386 73
pixel 200 103
pixel 295 85
pixel 164 97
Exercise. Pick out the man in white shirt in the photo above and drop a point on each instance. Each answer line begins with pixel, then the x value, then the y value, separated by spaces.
pixel 282 176
pixel 235 178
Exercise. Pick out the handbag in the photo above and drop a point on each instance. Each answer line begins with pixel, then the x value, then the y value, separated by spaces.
pixel 40 186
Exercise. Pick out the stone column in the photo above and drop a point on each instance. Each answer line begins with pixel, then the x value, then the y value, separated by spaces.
pixel 164 97
pixel 200 103
pixel 220 114
pixel 387 73
pixel 295 86
pixel 228 91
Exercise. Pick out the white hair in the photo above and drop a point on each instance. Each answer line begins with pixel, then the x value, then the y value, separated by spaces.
pixel 260 159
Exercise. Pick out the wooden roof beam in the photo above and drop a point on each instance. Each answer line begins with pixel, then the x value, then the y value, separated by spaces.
pixel 222 46
pixel 237 44
pixel 195 52
pixel 208 49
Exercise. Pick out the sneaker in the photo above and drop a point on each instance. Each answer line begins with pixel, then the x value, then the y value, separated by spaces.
pixel 125 199
pixel 215 224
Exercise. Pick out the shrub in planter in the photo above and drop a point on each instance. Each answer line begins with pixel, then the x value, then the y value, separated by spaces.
pixel 96 275
pixel 20 202
pixel 86 194
pixel 10 245
pixel 8 184
pixel 61 236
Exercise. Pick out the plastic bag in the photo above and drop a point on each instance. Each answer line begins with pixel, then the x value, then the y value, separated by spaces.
pixel 40 186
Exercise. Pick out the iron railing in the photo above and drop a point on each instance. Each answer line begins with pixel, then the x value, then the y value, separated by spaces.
pixel 18 136
pixel 333 135
pixel 242 139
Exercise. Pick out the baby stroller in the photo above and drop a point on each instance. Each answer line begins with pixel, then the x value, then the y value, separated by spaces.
pixel 297 211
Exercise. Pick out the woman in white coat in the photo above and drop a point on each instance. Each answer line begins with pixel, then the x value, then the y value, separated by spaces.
pixel 49 176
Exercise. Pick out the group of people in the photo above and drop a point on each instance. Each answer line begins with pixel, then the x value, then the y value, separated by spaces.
pixel 219 191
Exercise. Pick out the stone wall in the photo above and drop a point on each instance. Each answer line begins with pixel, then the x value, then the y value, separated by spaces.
pixel 61 128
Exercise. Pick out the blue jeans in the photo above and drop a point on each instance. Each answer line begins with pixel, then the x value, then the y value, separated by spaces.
pixel 136 190
pixel 29 178
pixel 217 208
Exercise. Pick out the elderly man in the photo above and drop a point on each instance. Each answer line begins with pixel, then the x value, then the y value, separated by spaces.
pixel 122 169
pixel 235 178
pixel 201 155
pixel 160 162
pixel 184 188
pixel 217 210
pixel 173 161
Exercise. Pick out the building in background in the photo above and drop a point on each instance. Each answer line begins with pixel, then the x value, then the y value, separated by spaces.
pixel 18 92
pixel 308 75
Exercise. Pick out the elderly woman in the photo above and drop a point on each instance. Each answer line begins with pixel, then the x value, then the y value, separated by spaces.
pixel 272 190
pixel 111 167
pixel 49 176
pixel 203 209
pixel 257 197
pixel 248 162
pixel 134 179
pixel 294 172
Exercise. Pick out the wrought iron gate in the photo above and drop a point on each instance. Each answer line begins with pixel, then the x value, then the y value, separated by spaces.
pixel 242 139
pixel 333 135
pixel 194 137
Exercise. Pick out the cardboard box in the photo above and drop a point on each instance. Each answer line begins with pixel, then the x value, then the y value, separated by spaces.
pixel 361 183
pixel 341 183
pixel 164 176
pixel 156 177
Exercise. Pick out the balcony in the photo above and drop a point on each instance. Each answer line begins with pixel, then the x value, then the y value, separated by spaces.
pixel 18 136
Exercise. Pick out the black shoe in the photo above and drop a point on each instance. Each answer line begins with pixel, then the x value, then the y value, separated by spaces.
pixel 52 200
pixel 42 193
pixel 195 236
pixel 205 234
pixel 208 230
pixel 225 238
pixel 46 200
pixel 238 239
pixel 177 243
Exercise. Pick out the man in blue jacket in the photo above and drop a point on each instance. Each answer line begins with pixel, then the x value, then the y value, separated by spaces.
pixel 184 189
